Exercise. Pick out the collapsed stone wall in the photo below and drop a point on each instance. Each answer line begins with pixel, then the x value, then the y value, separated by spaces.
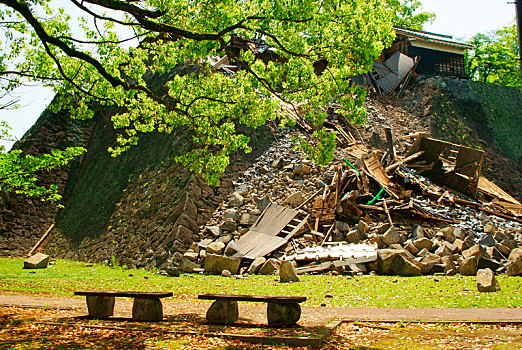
pixel 139 209
pixel 23 220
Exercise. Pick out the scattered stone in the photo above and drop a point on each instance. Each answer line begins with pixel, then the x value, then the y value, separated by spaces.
pixel 477 251
pixel 405 267
pixel 420 232
pixel 236 200
pixel 278 163
pixel 488 264
pixel 362 228
pixel 488 241
pixel 448 234
pixel 256 265
pixel 287 272
pixel 391 236
pixel 486 281
pixel 263 203
pixel 460 233
pixel 215 264
pixel 225 239
pixel 232 249
pixel 188 266
pixel 295 199
pixel 215 248
pixel 423 243
pixel 410 247
pixel 37 261
pixel 468 266
pixel 269 267
pixel 226 273
pixel 231 213
pixel 386 260
pixel 342 226
pixel 242 190
pixel 248 219
pixel 352 236
pixel 301 169
pixel 490 228
pixel 204 243
pixel 451 272
pixel 382 228
pixel 192 256
pixel 514 265
pixel 229 225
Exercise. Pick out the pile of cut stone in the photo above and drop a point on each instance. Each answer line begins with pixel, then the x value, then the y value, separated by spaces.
pixel 449 250
pixel 283 176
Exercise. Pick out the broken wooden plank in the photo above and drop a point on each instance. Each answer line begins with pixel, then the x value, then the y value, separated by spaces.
pixel 389 140
pixel 262 238
pixel 404 160
pixel 387 213
pixel 489 188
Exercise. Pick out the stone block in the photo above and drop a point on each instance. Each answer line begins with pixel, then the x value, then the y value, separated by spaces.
pixel 236 200
pixel 405 267
pixel 37 261
pixel 468 266
pixel 100 306
pixel 283 314
pixel 269 267
pixel 287 272
pixel 423 243
pixel 486 281
pixel 223 312
pixel 215 248
pixel 147 310
pixel 391 236
pixel 215 264
pixel 256 265
pixel 477 251
pixel 448 234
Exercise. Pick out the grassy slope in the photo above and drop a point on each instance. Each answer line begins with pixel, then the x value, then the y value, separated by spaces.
pixel 364 291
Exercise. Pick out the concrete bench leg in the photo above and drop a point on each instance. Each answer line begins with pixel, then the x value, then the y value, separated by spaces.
pixel 147 309
pixel 223 312
pixel 283 314
pixel 100 306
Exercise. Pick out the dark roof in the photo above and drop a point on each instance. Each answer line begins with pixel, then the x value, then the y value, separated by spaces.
pixel 433 37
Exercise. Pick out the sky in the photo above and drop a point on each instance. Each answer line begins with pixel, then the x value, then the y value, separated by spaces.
pixel 460 18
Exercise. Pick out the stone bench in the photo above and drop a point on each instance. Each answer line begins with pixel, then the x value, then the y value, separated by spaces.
pixel 147 305
pixel 281 310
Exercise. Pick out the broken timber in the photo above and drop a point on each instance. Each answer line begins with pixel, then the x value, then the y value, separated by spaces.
pixel 275 227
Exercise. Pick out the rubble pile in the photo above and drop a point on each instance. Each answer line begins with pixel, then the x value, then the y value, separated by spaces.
pixel 413 205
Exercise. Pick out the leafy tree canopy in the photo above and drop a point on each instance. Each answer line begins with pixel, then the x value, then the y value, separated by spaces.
pixel 19 173
pixel 108 55
pixel 495 57
pixel 406 13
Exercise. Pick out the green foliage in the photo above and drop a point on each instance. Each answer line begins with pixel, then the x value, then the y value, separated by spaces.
pixel 112 63
pixel 495 57
pixel 406 14
pixel 458 291
pixel 19 173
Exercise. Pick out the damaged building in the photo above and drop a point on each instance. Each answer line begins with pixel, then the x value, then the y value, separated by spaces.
pixel 438 54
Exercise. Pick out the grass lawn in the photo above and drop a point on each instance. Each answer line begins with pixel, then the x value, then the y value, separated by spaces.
pixel 65 277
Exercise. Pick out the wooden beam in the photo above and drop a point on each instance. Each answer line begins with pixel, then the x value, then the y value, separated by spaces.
pixel 44 237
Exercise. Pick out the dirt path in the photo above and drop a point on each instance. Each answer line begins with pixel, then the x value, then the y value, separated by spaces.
pixel 256 313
